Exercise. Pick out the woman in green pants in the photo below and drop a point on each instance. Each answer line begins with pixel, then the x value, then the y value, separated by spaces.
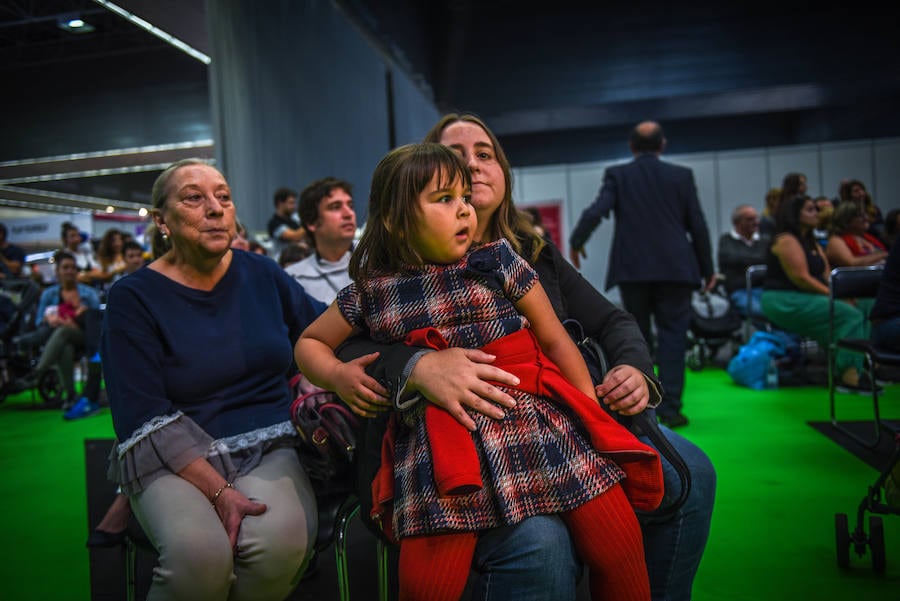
pixel 796 294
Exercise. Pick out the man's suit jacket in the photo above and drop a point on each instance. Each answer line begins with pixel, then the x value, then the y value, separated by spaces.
pixel 660 233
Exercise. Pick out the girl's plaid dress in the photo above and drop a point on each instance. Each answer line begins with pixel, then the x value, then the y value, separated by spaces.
pixel 536 460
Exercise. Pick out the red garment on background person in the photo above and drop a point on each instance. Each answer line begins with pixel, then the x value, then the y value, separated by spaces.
pixel 856 249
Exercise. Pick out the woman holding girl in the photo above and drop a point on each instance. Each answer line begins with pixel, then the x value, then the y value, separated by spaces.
pixel 416 280
pixel 533 559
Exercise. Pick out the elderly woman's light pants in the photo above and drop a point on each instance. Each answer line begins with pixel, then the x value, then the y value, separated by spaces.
pixel 196 561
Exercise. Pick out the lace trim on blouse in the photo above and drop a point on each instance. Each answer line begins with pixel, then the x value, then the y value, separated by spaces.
pixel 148 428
pixel 246 440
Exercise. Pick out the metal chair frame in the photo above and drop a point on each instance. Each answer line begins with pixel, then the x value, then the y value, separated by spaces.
pixel 753 277
pixel 856 282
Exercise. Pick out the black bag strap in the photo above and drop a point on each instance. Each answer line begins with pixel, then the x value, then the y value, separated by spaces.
pixel 645 421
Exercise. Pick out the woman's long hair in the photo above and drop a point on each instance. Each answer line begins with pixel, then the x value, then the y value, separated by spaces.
pixel 788 219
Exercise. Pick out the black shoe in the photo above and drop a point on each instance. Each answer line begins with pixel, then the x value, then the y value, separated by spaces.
pixel 673 420
pixel 102 538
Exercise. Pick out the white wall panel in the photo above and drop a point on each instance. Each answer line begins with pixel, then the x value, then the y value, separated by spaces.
pixel 741 180
pixel 794 159
pixel 846 160
pixel 885 189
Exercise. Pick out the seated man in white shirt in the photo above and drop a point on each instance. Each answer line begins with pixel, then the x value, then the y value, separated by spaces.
pixel 326 213
pixel 739 249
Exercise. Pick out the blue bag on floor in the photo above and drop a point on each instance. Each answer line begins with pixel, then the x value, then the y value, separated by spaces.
pixel 748 368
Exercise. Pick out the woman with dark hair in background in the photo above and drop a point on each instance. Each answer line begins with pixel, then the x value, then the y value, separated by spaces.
pixel 796 294
pixel 850 243
pixel 110 261
pixel 792 185
pixel 75 245
pixel 855 191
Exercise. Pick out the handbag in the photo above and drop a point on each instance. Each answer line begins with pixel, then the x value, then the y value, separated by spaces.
pixel 643 423
pixel 327 430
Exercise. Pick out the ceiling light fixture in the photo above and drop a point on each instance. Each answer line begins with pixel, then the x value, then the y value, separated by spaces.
pixel 73 23
pixel 187 49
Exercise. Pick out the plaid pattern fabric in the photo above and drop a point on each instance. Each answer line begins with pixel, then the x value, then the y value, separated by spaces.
pixel 468 302
pixel 533 462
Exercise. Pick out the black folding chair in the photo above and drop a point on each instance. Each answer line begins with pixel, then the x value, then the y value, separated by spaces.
pixel 846 283
pixel 753 278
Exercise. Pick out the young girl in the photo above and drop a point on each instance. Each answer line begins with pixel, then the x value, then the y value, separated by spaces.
pixel 415 279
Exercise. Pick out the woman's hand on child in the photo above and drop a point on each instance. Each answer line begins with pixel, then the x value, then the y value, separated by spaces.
pixel 456 378
pixel 624 390
pixel 363 393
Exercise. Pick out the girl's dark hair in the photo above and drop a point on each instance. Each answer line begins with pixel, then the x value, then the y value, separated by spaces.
pixel 506 222
pixel 397 182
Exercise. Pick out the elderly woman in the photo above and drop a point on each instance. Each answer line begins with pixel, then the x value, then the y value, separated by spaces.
pixel 196 348
pixel 796 295
pixel 850 244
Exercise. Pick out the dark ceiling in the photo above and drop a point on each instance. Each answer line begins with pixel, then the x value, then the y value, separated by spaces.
pixel 561 82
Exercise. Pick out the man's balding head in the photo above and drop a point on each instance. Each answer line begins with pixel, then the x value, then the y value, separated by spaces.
pixel 647 136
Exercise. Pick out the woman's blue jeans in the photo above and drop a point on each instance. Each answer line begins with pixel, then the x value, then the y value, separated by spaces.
pixel 535 560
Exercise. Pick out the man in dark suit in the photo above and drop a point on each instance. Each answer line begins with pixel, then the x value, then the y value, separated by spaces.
pixel 660 252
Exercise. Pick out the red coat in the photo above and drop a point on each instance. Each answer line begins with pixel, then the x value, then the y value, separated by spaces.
pixel 520 354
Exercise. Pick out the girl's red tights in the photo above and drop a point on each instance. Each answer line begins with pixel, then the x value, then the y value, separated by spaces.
pixel 605 532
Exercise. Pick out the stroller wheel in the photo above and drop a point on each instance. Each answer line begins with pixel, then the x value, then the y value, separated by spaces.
pixel 842 539
pixel 876 544
pixel 50 387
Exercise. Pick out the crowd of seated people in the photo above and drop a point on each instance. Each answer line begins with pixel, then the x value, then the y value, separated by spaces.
pixel 809 237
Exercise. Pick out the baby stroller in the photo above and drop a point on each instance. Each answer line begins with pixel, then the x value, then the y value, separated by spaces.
pixel 18 304
pixel 714 323
pixel 874 503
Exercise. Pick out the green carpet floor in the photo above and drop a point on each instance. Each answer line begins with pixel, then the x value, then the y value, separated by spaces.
pixel 780 484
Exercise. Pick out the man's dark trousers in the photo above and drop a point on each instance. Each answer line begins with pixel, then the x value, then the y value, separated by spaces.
pixel 670 305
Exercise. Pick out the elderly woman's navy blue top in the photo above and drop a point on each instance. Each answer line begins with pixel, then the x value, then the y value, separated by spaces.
pixel 219 357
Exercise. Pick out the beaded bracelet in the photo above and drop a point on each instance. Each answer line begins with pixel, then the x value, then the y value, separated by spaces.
pixel 219 492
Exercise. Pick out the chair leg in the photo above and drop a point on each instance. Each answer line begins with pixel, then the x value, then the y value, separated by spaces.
pixel 340 550
pixel 383 578
pixel 869 368
pixel 130 568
